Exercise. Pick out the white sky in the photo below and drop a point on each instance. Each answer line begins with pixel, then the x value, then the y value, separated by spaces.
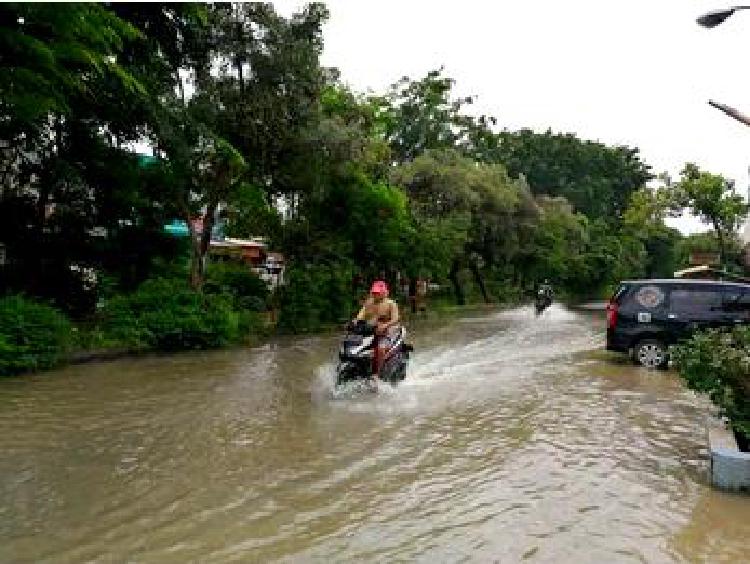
pixel 638 72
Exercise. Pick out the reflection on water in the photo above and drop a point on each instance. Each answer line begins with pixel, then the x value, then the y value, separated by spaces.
pixel 512 438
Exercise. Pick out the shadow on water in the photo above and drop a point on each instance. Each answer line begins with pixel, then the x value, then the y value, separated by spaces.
pixel 512 437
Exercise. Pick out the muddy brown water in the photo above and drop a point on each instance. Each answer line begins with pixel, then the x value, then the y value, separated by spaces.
pixel 512 439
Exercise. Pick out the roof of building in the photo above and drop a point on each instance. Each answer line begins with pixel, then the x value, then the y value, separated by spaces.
pixel 697 270
pixel 231 242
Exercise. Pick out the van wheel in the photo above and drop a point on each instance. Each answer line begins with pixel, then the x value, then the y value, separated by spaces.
pixel 651 353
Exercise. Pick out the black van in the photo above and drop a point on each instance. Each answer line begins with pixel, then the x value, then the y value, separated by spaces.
pixel 645 317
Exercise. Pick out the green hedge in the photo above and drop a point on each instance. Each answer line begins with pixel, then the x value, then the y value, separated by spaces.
pixel 717 363
pixel 33 336
pixel 168 315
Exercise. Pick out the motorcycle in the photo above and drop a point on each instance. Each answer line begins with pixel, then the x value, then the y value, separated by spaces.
pixel 542 302
pixel 356 355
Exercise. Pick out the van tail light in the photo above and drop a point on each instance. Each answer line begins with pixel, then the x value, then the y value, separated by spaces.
pixel 612 308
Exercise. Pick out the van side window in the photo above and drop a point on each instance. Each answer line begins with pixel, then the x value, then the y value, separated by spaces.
pixel 736 300
pixel 695 300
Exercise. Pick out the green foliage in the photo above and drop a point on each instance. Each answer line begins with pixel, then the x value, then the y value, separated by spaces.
pixel 717 363
pixel 33 336
pixel 596 179
pixel 167 315
pixel 422 115
pixel 643 221
pixel 249 213
pixel 712 198
pixel 247 290
pixel 53 56
pixel 316 296
pixel 351 133
pixel 373 217
pixel 341 182
pixel 557 243
pixel 464 207
pixel 71 96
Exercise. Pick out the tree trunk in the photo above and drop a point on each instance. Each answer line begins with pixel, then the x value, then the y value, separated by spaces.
pixel 458 291
pixel 196 258
pixel 480 281
pixel 201 244
pixel 720 237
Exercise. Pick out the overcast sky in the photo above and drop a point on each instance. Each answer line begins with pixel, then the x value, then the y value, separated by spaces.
pixel 635 72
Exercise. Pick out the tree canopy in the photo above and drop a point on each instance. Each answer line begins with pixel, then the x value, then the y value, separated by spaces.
pixel 244 125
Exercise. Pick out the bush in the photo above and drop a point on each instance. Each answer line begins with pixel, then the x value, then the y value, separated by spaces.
pixel 33 336
pixel 315 296
pixel 248 291
pixel 168 315
pixel 718 363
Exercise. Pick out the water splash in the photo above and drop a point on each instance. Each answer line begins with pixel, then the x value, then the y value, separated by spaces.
pixel 511 344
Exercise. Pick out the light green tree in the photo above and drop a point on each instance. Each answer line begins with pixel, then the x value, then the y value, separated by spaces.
pixel 712 198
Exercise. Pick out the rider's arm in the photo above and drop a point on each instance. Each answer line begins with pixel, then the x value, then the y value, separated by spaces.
pixel 394 314
pixel 362 311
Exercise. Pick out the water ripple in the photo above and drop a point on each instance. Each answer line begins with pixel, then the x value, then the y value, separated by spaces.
pixel 508 441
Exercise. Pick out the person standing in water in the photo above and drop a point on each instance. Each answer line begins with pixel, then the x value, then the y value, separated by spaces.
pixel 381 311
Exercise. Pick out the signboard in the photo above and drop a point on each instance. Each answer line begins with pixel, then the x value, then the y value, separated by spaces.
pixel 177 228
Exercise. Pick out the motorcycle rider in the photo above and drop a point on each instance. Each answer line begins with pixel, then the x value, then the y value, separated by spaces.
pixel 545 289
pixel 544 294
pixel 381 311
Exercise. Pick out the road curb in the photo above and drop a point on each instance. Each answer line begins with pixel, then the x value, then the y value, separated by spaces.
pixel 730 467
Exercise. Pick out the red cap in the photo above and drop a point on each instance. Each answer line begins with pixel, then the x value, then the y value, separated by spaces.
pixel 379 287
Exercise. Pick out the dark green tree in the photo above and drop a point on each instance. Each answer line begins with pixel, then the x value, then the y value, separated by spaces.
pixel 596 179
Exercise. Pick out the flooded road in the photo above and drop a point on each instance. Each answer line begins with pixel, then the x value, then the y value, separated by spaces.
pixel 512 439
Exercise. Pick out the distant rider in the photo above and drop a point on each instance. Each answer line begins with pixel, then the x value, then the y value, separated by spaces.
pixel 381 311
pixel 545 290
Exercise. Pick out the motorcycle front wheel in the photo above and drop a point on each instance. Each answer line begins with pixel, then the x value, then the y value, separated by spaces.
pixel 348 372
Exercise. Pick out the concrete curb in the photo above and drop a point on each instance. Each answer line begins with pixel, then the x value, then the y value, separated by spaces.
pixel 730 467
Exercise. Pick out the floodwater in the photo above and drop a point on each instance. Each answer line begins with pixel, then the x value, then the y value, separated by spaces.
pixel 512 439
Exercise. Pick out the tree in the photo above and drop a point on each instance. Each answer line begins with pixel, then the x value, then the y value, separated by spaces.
pixel 644 220
pixel 69 99
pixel 712 198
pixel 421 115
pixel 202 172
pixel 595 178
pixel 267 90
pixel 558 240
pixel 476 205
pixel 249 213
pixel 52 56
pixel 350 134
pixel 255 79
